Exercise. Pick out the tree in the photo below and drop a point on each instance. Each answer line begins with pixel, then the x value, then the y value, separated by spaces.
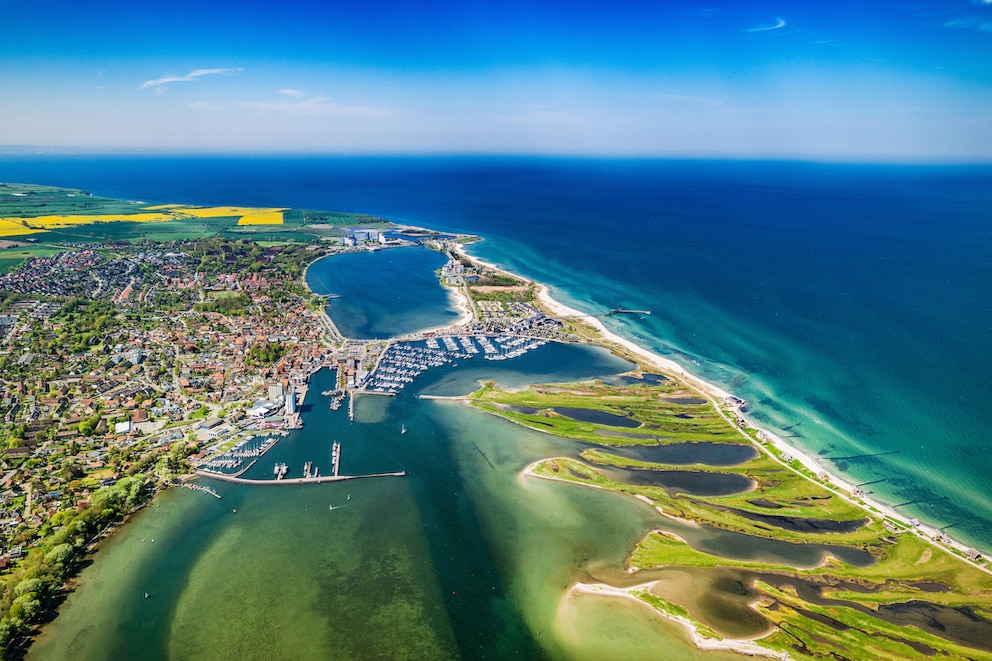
pixel 61 554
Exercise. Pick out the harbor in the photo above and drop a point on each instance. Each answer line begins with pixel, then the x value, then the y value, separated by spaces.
pixel 281 470
pixel 402 362
pixel 232 460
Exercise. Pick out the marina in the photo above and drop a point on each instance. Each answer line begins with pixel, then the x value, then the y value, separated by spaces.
pixel 402 362
pixel 232 461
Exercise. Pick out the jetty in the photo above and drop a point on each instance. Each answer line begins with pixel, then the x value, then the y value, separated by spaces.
pixel 294 480
pixel 616 311
pixel 335 458
pixel 198 487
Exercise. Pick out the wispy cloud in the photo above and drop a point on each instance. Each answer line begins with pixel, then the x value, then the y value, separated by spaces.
pixel 158 83
pixel 974 19
pixel 970 23
pixel 300 103
pixel 778 25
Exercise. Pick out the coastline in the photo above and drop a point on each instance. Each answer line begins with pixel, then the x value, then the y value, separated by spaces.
pixel 322 316
pixel 839 486
pixel 463 304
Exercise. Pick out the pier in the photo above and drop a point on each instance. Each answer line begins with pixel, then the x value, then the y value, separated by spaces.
pixel 198 487
pixel 294 480
pixel 616 311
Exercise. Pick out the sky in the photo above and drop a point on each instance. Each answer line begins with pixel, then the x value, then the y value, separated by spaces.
pixel 870 80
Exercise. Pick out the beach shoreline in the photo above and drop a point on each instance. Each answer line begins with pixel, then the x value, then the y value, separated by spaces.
pixel 720 398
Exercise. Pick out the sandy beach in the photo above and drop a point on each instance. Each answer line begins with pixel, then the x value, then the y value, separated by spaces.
pixel 719 396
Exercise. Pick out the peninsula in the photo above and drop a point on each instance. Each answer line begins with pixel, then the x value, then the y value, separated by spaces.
pixel 145 344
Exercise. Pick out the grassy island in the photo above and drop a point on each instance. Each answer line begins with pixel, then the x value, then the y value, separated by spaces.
pixel 852 608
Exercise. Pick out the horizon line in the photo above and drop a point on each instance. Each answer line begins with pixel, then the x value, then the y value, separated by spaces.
pixel 851 159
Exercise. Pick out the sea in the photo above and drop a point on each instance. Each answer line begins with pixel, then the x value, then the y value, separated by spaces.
pixel 849 304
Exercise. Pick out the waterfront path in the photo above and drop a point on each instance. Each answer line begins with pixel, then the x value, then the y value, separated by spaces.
pixel 293 480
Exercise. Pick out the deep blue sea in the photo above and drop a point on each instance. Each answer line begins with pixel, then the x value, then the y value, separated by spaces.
pixel 850 304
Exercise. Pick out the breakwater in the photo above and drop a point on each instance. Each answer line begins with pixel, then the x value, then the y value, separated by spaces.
pixel 294 480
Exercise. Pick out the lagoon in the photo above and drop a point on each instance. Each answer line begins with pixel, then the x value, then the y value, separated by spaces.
pixel 384 293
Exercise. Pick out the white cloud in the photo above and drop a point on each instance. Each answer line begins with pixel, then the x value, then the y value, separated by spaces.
pixel 779 24
pixel 299 103
pixel 157 83
pixel 970 22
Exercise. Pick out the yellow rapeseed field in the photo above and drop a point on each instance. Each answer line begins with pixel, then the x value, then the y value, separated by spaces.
pixel 220 212
pixel 159 213
pixel 70 220
pixel 9 227
pixel 15 226
pixel 263 218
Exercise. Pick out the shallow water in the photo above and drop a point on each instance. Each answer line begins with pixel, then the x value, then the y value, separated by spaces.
pixel 465 557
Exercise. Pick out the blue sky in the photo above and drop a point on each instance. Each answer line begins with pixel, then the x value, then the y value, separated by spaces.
pixel 877 81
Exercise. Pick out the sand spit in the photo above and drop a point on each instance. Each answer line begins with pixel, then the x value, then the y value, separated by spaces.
pixel 747 647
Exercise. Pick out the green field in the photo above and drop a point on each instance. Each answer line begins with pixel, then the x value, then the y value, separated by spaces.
pixel 11 258
pixel 32 200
